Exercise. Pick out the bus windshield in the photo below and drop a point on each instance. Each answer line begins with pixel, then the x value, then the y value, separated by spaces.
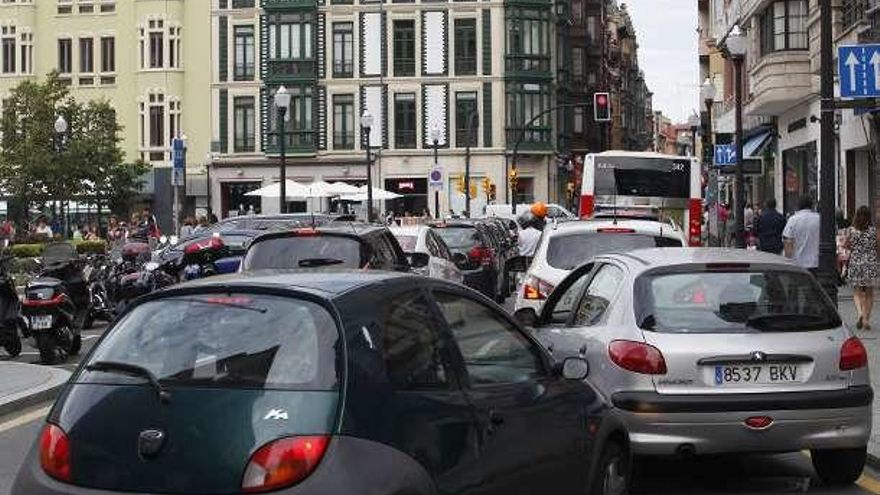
pixel 643 177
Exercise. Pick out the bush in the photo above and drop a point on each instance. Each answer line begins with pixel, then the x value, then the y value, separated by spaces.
pixel 91 247
pixel 26 250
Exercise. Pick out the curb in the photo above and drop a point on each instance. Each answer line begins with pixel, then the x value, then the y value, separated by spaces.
pixel 45 394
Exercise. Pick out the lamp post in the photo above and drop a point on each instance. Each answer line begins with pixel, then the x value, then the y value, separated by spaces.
pixel 736 47
pixel 694 123
pixel 472 118
pixel 435 139
pixel 707 94
pixel 209 162
pixel 827 176
pixel 282 103
pixel 60 134
pixel 366 126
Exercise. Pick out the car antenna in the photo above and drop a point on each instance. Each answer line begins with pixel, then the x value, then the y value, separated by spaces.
pixel 614 196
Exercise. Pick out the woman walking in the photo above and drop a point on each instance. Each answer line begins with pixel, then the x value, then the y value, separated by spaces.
pixel 863 271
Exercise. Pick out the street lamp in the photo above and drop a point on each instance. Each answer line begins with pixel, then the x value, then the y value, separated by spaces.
pixel 707 94
pixel 60 134
pixel 736 44
pixel 435 138
pixel 282 103
pixel 694 123
pixel 366 126
pixel 471 125
pixel 209 162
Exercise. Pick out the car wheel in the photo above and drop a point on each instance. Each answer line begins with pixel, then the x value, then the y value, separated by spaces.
pixel 612 473
pixel 839 466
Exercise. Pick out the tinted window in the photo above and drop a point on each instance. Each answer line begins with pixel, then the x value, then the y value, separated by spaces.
pixel 459 239
pixel 598 296
pixel 493 350
pixel 415 355
pixel 568 251
pixel 708 302
pixel 304 252
pixel 226 340
pixel 407 242
pixel 646 177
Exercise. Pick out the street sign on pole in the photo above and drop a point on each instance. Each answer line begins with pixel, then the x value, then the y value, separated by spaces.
pixel 859 68
pixel 178 160
pixel 435 178
pixel 725 154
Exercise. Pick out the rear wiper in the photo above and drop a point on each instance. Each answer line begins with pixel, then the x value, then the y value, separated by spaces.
pixel 132 369
pixel 648 323
pixel 223 303
pixel 313 262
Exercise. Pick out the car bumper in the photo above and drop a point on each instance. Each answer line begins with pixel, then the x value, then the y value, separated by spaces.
pixel 535 305
pixel 711 424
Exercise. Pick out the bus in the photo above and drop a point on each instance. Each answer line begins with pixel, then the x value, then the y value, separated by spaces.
pixel 623 181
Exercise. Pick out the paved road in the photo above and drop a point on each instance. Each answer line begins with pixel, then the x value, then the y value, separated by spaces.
pixel 30 355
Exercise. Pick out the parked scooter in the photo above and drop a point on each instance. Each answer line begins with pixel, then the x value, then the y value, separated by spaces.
pixel 12 324
pixel 97 273
pixel 57 303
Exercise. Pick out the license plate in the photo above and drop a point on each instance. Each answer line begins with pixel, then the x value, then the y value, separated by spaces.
pixel 760 374
pixel 41 322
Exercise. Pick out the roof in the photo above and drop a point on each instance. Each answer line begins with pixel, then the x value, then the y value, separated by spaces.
pixel 592 225
pixel 656 257
pixel 327 282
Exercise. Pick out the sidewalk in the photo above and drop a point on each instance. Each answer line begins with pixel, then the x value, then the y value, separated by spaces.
pixel 23 385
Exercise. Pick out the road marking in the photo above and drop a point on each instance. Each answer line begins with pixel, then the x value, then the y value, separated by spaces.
pixel 90 337
pixel 25 419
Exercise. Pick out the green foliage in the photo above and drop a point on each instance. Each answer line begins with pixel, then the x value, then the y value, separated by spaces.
pixel 25 250
pixel 91 247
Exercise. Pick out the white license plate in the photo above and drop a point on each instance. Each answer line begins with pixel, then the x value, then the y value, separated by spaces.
pixel 759 374
pixel 41 322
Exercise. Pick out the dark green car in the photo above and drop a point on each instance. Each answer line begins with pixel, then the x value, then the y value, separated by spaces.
pixel 324 383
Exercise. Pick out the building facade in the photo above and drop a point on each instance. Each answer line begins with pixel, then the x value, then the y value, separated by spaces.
pixel 145 57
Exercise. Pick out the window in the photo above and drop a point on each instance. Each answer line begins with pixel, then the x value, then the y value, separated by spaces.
pixel 577 10
pixel 577 63
pixel 578 121
pixel 290 37
pixel 343 122
pixel 27 53
pixel 175 119
pixel 598 295
pixel 853 12
pixel 244 53
pixel 108 6
pixel 465 47
pixel 466 119
pixel 529 37
pixel 405 121
pixel 9 55
pixel 65 6
pixel 65 56
pixel 343 49
pixel 493 350
pixel 591 29
pixel 157 50
pixel 404 48
pixel 174 49
pixel 86 7
pixel 108 54
pixel 783 26
pixel 416 356
pixel 245 132
pixel 157 121
pixel 86 55
pixel 242 4
pixel 299 129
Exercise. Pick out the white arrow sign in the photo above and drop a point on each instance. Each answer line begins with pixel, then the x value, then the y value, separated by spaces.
pixel 852 61
pixel 875 61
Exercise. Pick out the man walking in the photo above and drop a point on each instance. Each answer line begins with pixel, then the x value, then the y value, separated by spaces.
pixel 768 227
pixel 801 236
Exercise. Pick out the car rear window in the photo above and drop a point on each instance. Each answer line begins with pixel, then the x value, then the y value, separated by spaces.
pixel 225 340
pixel 307 251
pixel 732 302
pixel 407 242
pixel 568 251
pixel 459 238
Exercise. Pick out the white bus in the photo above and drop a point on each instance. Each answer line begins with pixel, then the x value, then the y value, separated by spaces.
pixel 671 186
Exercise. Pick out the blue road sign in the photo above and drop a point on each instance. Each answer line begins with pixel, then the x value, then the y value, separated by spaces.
pixel 178 159
pixel 725 154
pixel 859 68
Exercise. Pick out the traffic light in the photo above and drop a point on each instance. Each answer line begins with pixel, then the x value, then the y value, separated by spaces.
pixel 602 107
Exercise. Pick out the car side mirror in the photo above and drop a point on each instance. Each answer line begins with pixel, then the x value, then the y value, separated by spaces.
pixel 418 260
pixel 575 368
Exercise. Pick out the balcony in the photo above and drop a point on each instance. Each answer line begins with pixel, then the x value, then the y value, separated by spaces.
pixel 534 139
pixel 295 142
pixel 288 70
pixel 270 5
pixel 779 81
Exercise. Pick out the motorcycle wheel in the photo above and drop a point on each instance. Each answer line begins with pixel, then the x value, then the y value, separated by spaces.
pixel 47 348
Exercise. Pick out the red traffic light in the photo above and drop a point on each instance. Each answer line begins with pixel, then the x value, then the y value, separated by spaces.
pixel 601 107
pixel 601 100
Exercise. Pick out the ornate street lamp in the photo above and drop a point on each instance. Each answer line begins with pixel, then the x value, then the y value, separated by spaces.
pixel 736 45
pixel 282 103
pixel 366 127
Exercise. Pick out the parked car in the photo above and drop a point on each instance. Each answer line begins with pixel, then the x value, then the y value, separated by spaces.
pixel 506 211
pixel 486 254
pixel 324 383
pixel 712 351
pixel 277 221
pixel 565 246
pixel 428 253
pixel 344 245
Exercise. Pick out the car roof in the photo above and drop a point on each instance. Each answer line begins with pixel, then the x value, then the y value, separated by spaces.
pixel 326 282
pixel 344 228
pixel 408 229
pixel 646 259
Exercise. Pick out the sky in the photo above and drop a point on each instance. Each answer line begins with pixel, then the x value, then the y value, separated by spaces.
pixel 668 42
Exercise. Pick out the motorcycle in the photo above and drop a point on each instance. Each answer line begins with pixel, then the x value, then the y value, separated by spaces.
pixel 125 265
pixel 12 324
pixel 200 258
pixel 57 303
pixel 97 274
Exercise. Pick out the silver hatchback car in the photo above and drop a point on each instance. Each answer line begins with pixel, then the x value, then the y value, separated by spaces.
pixel 710 351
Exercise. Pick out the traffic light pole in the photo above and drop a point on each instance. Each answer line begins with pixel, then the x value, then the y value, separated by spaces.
pixel 436 191
pixel 467 164
pixel 827 178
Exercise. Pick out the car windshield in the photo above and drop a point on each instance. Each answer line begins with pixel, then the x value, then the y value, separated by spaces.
pixel 228 340
pixel 732 302
pixel 459 238
pixel 568 251
pixel 305 252
pixel 407 242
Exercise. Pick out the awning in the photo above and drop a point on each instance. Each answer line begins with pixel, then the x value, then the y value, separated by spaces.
pixel 754 146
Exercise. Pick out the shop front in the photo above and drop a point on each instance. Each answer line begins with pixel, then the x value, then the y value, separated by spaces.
pixel 414 192
pixel 800 175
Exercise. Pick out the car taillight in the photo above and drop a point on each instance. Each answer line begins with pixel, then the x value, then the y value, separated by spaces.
pixel 853 355
pixel 695 230
pixel 55 452
pixel 615 230
pixel 637 357
pixel 535 289
pixel 283 463
pixel 480 254
pixel 37 303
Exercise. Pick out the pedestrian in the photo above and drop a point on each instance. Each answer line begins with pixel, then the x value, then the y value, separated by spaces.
pixel 78 233
pixel 7 232
pixel 152 224
pixel 768 227
pixel 202 225
pixel 93 234
pixel 43 230
pixel 115 232
pixel 800 238
pixel 863 271
pixel 188 227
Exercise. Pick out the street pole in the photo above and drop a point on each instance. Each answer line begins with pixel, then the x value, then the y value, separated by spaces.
pixel 467 164
pixel 282 206
pixel 436 190
pixel 708 149
pixel 739 185
pixel 827 230
pixel 370 216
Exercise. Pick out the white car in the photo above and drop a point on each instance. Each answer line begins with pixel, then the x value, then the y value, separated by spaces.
pixel 422 239
pixel 565 246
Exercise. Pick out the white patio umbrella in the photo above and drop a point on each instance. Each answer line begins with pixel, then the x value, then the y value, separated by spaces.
pixel 294 190
pixel 342 188
pixel 378 195
pixel 322 189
